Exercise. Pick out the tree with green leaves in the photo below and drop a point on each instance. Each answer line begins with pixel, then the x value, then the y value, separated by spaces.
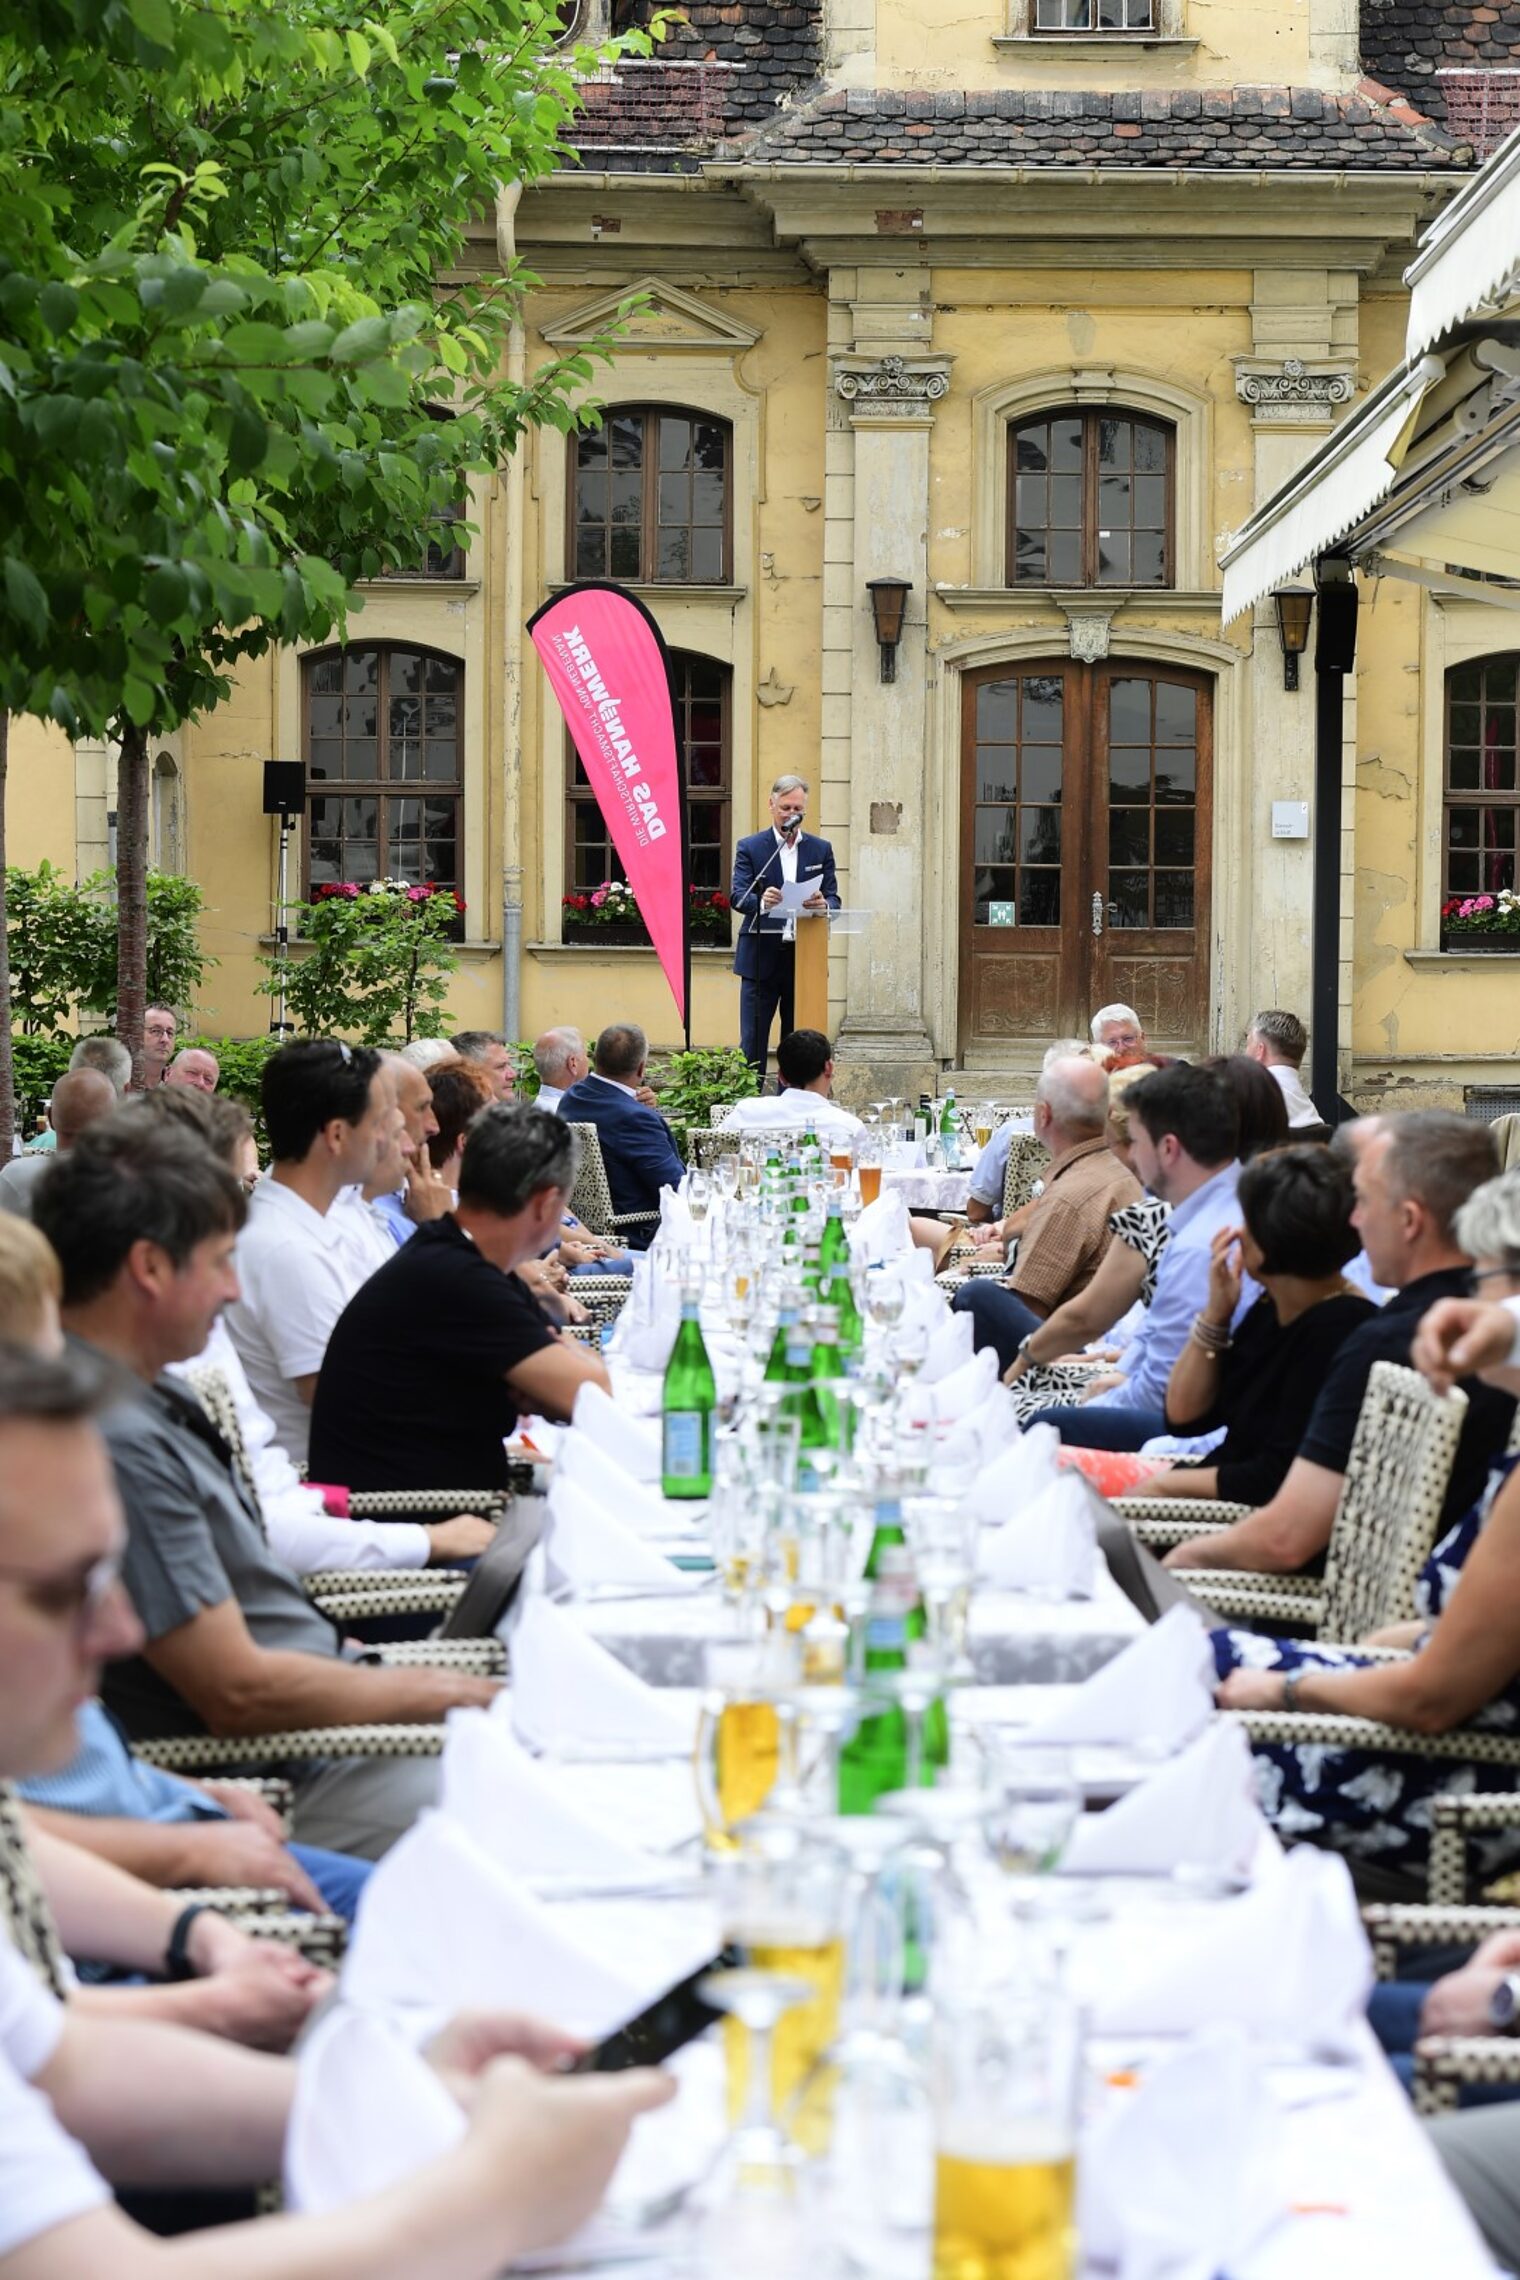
pixel 224 342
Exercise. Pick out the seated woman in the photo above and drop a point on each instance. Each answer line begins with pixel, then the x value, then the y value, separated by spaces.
pixel 1465 1670
pixel 1261 1386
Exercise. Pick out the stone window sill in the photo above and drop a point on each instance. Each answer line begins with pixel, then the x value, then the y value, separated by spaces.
pixel 1090 43
pixel 620 949
pixel 466 950
pixel 444 589
pixel 672 591
pixel 1460 961
pixel 1113 598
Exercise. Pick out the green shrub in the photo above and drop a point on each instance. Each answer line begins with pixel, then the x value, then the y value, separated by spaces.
pixel 695 1087
pixel 40 1062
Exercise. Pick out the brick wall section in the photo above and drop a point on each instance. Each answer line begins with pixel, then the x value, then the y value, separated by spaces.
pixel 1242 128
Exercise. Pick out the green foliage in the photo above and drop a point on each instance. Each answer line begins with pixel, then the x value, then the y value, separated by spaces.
pixel 241 1060
pixel 39 1063
pixel 695 1087
pixel 63 944
pixel 376 965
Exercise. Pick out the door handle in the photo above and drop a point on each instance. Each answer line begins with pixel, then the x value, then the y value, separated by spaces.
pixel 1097 914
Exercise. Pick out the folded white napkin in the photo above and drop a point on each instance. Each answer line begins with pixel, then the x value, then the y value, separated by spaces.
pixel 588 1545
pixel 442 1928
pixel 992 1426
pixel 569 1692
pixel 635 1504
pixel 955 1396
pixel 1288 1962
pixel 882 1231
pixel 517 1812
pixel 676 1224
pixel 367 2109
pixel 631 1443
pixel 1049 1545
pixel 1018 1474
pixel 1180 2178
pixel 950 1346
pixel 1156 1695
pixel 1199 1810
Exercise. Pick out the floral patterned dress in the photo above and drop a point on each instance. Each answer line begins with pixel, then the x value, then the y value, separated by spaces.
pixel 1145 1226
pixel 1361 1801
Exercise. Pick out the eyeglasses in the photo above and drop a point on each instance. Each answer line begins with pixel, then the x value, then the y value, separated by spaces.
pixel 75 1599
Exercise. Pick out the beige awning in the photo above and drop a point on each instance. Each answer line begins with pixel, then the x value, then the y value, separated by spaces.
pixel 1469 261
pixel 1473 524
pixel 1352 471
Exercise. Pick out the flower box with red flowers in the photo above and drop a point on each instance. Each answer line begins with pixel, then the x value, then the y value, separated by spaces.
pixel 1481 922
pixel 609 914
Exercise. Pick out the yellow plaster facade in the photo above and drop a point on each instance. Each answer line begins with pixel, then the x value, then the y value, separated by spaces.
pixel 770 293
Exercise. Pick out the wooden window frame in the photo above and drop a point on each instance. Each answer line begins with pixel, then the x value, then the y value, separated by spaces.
pixel 719 795
pixel 1089 416
pixel 381 788
pixel 1464 797
pixel 1094 30
pixel 649 527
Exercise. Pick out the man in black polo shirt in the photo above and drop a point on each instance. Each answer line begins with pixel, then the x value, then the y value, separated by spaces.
pixel 434 1357
pixel 1413 1174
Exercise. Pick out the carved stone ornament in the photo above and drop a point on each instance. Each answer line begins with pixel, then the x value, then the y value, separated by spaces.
pixel 1293 384
pixel 1088 632
pixel 891 386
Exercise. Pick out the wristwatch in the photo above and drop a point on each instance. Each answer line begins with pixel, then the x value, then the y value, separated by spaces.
pixel 176 1963
pixel 1504 2005
pixel 1021 1350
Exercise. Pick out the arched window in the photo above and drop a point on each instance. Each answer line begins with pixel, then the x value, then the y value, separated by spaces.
pixel 1090 500
pixel 1482 794
pixel 649 498
pixel 702 733
pixel 384 776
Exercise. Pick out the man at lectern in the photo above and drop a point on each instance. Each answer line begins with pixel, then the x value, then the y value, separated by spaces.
pixel 765 956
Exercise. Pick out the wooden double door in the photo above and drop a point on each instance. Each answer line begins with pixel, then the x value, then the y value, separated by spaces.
pixel 1086 815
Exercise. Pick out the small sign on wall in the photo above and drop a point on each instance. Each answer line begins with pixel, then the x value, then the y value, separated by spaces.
pixel 1000 914
pixel 1290 819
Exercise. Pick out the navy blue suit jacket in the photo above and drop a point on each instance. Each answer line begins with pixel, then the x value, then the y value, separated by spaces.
pixel 757 865
pixel 637 1149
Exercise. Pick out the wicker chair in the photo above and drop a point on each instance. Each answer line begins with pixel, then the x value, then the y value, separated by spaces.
pixel 603 1297
pixel 705 1143
pixel 1028 1161
pixel 1389 1512
pixel 1444 2065
pixel 591 1196
pixel 212 1753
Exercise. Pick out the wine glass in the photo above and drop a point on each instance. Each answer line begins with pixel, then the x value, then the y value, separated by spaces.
pixel 1035 1807
pixel 910 1349
pixel 943 1536
pixel 699 1194
pixel 726 1175
pixel 885 1298
pixel 750 2217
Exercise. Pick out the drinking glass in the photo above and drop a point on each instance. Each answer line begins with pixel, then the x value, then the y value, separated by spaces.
pixel 981 1128
pixel 726 1175
pixel 738 1752
pixel 1006 2074
pixel 885 1298
pixel 781 1896
pixel 750 2216
pixel 943 1538
pixel 841 1158
pixel 1035 1805
pixel 699 1195
pixel 910 1349
pixel 868 1158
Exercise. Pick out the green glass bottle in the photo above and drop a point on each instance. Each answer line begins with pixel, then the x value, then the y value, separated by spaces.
pixel 834 1248
pixel 875 1759
pixel 688 1409
pixel 826 1371
pixel 839 1292
pixel 949 1137
pixel 778 1362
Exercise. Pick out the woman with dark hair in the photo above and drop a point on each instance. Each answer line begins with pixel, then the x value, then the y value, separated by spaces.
pixel 460 1090
pixel 1261 1384
pixel 1263 1112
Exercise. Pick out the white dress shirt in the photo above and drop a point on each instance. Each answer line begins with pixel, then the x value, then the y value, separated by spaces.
pixel 786 871
pixel 548 1098
pixel 794 1107
pixel 297 1274
pixel 1301 1109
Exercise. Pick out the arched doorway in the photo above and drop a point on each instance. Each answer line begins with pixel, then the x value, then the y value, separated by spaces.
pixel 1085 830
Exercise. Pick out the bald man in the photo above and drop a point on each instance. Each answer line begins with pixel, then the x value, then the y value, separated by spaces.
pixel 196 1066
pixel 1066 1230
pixel 78 1099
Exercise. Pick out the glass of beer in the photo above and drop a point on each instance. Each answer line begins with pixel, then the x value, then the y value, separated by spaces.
pixel 868 1168
pixel 738 1754
pixel 841 1158
pixel 982 1126
pixel 782 1896
pixel 1006 2079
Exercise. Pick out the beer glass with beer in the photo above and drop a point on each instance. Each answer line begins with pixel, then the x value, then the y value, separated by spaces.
pixel 841 1157
pixel 1006 2077
pixel 868 1167
pixel 738 1751
pixel 781 1894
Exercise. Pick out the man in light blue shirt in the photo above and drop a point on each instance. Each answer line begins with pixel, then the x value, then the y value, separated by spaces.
pixel 1185 1128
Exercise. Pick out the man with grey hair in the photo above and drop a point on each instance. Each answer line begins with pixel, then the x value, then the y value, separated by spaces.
pixel 396 1411
pixel 1067 1230
pixel 560 1059
pixel 79 1097
pixel 108 1055
pixel 196 1066
pixel 1118 1029
pixel 1279 1041
pixel 765 955
pixel 638 1147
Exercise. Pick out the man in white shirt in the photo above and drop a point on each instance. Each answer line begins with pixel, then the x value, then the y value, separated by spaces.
pixel 560 1059
pixel 805 1064
pixel 1279 1041
pixel 329 1113
pixel 84 2098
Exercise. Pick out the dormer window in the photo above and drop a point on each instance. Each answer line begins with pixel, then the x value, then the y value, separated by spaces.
pixel 1094 16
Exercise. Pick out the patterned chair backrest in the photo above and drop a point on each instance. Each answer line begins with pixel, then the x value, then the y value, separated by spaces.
pixel 1028 1159
pixel 705 1143
pixel 1390 1508
pixel 591 1197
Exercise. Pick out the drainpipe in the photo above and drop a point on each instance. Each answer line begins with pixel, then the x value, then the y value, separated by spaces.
pixel 1334 658
pixel 514 490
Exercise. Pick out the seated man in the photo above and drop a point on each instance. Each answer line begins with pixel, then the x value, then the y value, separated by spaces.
pixel 1184 1130
pixel 1117 1029
pixel 1065 1231
pixel 407 1201
pixel 395 1409
pixel 637 1148
pixel 78 1098
pixel 159 2106
pixel 196 1066
pixel 144 1220
pixel 488 1050
pixel 805 1064
pixel 1412 1177
pixel 560 1059
pixel 1279 1041
pixel 328 1111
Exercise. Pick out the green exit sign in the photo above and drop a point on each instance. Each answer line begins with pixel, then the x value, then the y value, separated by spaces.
pixel 1000 914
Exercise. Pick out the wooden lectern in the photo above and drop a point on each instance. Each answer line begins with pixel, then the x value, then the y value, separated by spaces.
pixel 810 997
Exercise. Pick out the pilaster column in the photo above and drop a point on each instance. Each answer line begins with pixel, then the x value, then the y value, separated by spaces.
pixel 885 403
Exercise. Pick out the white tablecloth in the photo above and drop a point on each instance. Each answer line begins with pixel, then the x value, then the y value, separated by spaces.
pixel 930 1191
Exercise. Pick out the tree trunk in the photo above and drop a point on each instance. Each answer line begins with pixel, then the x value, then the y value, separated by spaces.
pixel 132 892
pixel 7 1057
